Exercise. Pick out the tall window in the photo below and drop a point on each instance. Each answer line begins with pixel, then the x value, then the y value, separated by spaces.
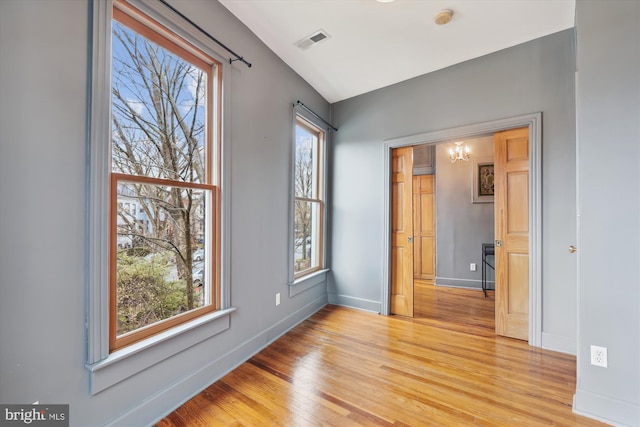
pixel 164 185
pixel 309 198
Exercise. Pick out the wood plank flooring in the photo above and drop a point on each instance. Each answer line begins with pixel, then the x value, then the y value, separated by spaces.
pixel 344 367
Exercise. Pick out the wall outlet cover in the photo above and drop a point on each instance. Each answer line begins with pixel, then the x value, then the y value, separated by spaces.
pixel 599 356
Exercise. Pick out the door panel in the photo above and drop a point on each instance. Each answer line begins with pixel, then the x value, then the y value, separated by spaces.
pixel 417 243
pixel 518 148
pixel 397 273
pixel 424 264
pixel 402 231
pixel 427 258
pixel 518 206
pixel 518 273
pixel 511 159
pixel 398 223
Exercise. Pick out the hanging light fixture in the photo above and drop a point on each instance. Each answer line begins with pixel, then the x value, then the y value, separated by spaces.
pixel 460 152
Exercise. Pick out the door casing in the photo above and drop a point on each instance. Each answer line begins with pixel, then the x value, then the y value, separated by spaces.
pixel 534 123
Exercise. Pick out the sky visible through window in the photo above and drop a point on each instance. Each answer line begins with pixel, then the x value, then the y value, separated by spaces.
pixel 304 162
pixel 142 73
pixel 307 207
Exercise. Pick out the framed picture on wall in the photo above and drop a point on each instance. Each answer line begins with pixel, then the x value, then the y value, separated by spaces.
pixel 482 191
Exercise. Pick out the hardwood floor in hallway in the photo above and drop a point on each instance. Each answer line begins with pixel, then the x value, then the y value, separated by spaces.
pixel 455 309
pixel 345 367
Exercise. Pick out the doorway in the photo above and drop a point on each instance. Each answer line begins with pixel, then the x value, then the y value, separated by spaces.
pixel 464 215
pixel 533 123
pixel 447 196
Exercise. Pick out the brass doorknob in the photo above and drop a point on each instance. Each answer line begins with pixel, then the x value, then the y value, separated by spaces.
pixel 572 249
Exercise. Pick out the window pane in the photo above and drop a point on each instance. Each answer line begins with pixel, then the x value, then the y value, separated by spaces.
pixel 158 111
pixel 161 263
pixel 306 163
pixel 307 234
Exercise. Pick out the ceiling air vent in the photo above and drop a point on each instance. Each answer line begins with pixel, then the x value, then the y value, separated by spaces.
pixel 312 39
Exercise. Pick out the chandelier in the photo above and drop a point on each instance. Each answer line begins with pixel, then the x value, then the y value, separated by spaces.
pixel 460 152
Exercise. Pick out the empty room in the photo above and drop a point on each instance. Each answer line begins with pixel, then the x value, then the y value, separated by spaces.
pixel 319 212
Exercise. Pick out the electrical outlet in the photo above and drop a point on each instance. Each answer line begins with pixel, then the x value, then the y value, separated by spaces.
pixel 278 298
pixel 472 266
pixel 599 356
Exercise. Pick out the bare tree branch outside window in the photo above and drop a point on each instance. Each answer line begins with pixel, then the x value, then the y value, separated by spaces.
pixel 158 131
pixel 307 206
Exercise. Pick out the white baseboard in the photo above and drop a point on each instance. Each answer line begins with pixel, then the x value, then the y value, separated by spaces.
pixel 603 408
pixel 559 343
pixel 167 400
pixel 462 283
pixel 359 303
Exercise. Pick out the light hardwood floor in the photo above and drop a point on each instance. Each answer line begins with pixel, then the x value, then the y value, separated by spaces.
pixel 344 367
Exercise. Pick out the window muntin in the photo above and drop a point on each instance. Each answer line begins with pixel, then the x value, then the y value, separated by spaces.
pixel 164 148
pixel 308 214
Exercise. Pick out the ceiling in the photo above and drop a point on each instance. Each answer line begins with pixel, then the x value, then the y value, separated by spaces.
pixel 373 44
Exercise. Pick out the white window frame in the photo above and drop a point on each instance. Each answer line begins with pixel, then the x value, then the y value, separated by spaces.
pixel 300 284
pixel 107 369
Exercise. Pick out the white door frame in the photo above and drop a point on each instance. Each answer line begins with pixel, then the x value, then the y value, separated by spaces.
pixel 534 123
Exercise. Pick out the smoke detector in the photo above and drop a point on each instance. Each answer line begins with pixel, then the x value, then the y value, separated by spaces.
pixel 312 39
pixel 444 17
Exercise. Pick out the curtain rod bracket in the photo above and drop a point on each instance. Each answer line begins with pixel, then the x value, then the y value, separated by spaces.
pixel 215 40
pixel 232 60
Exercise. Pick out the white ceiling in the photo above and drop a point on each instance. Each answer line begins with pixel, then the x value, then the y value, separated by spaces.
pixel 373 44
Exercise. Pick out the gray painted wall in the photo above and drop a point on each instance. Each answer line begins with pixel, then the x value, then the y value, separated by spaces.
pixel 608 118
pixel 537 76
pixel 43 114
pixel 461 226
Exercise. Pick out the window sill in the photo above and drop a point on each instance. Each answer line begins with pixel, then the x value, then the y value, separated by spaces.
pixel 125 363
pixel 307 282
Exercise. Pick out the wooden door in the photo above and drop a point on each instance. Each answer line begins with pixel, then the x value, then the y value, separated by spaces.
pixel 402 231
pixel 511 152
pixel 424 228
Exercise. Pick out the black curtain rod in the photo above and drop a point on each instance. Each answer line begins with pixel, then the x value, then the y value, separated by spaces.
pixel 317 116
pixel 215 40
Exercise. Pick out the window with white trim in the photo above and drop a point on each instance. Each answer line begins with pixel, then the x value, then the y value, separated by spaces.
pixel 309 197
